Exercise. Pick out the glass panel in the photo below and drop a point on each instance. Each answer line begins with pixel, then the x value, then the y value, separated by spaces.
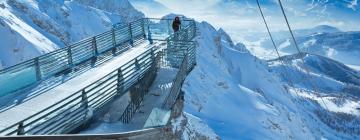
pixel 14 80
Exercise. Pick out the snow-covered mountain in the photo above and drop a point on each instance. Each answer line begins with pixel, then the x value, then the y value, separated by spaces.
pixel 235 94
pixel 282 36
pixel 301 11
pixel 238 95
pixel 341 46
pixel 325 66
pixel 150 7
pixel 243 97
pixel 120 7
pixel 32 27
pixel 307 32
pixel 319 8
pixel 334 90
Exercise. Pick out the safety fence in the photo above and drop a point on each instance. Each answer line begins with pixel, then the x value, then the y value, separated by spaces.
pixel 176 85
pixel 161 29
pixel 154 133
pixel 115 41
pixel 71 112
pixel 177 50
pixel 184 63
pixel 138 92
pixel 181 55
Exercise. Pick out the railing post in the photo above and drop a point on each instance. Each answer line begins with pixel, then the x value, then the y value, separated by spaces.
pixel 168 26
pixel 194 29
pixel 95 46
pixel 120 86
pixel 143 27
pixel 37 69
pixel 84 102
pixel 70 61
pixel 149 33
pixel 84 98
pixel 93 61
pixel 154 61
pixel 131 35
pixel 137 67
pixel 21 130
pixel 152 52
pixel 113 41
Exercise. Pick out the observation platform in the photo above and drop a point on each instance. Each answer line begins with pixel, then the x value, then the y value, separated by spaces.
pixel 58 93
pixel 130 59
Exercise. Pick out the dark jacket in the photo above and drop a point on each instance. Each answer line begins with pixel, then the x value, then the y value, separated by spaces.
pixel 176 25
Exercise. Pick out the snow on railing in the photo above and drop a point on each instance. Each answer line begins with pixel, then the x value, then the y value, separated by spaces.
pixel 116 40
pixel 69 113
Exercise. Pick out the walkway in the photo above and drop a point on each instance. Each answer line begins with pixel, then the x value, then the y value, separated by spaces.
pixel 40 102
pixel 149 113
pixel 67 107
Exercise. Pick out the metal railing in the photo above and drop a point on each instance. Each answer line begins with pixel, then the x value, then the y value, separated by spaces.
pixel 139 91
pixel 180 56
pixel 177 50
pixel 176 85
pixel 184 59
pixel 161 29
pixel 47 65
pixel 155 133
pixel 71 112
pixel 32 71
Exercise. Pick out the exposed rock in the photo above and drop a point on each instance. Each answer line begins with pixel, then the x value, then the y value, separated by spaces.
pixel 2 6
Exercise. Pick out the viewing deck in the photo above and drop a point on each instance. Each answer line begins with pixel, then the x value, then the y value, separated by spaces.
pixel 137 71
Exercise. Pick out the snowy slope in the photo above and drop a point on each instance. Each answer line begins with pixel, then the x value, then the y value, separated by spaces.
pixel 150 7
pixel 240 97
pixel 236 95
pixel 119 7
pixel 320 29
pixel 329 75
pixel 341 46
pixel 19 41
pixel 331 86
pixel 33 27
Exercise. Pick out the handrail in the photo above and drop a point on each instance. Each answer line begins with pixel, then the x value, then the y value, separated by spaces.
pixel 177 82
pixel 186 19
pixel 147 133
pixel 75 108
pixel 80 95
pixel 187 54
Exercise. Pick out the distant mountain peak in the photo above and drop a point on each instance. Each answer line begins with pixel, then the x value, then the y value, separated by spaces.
pixel 326 28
